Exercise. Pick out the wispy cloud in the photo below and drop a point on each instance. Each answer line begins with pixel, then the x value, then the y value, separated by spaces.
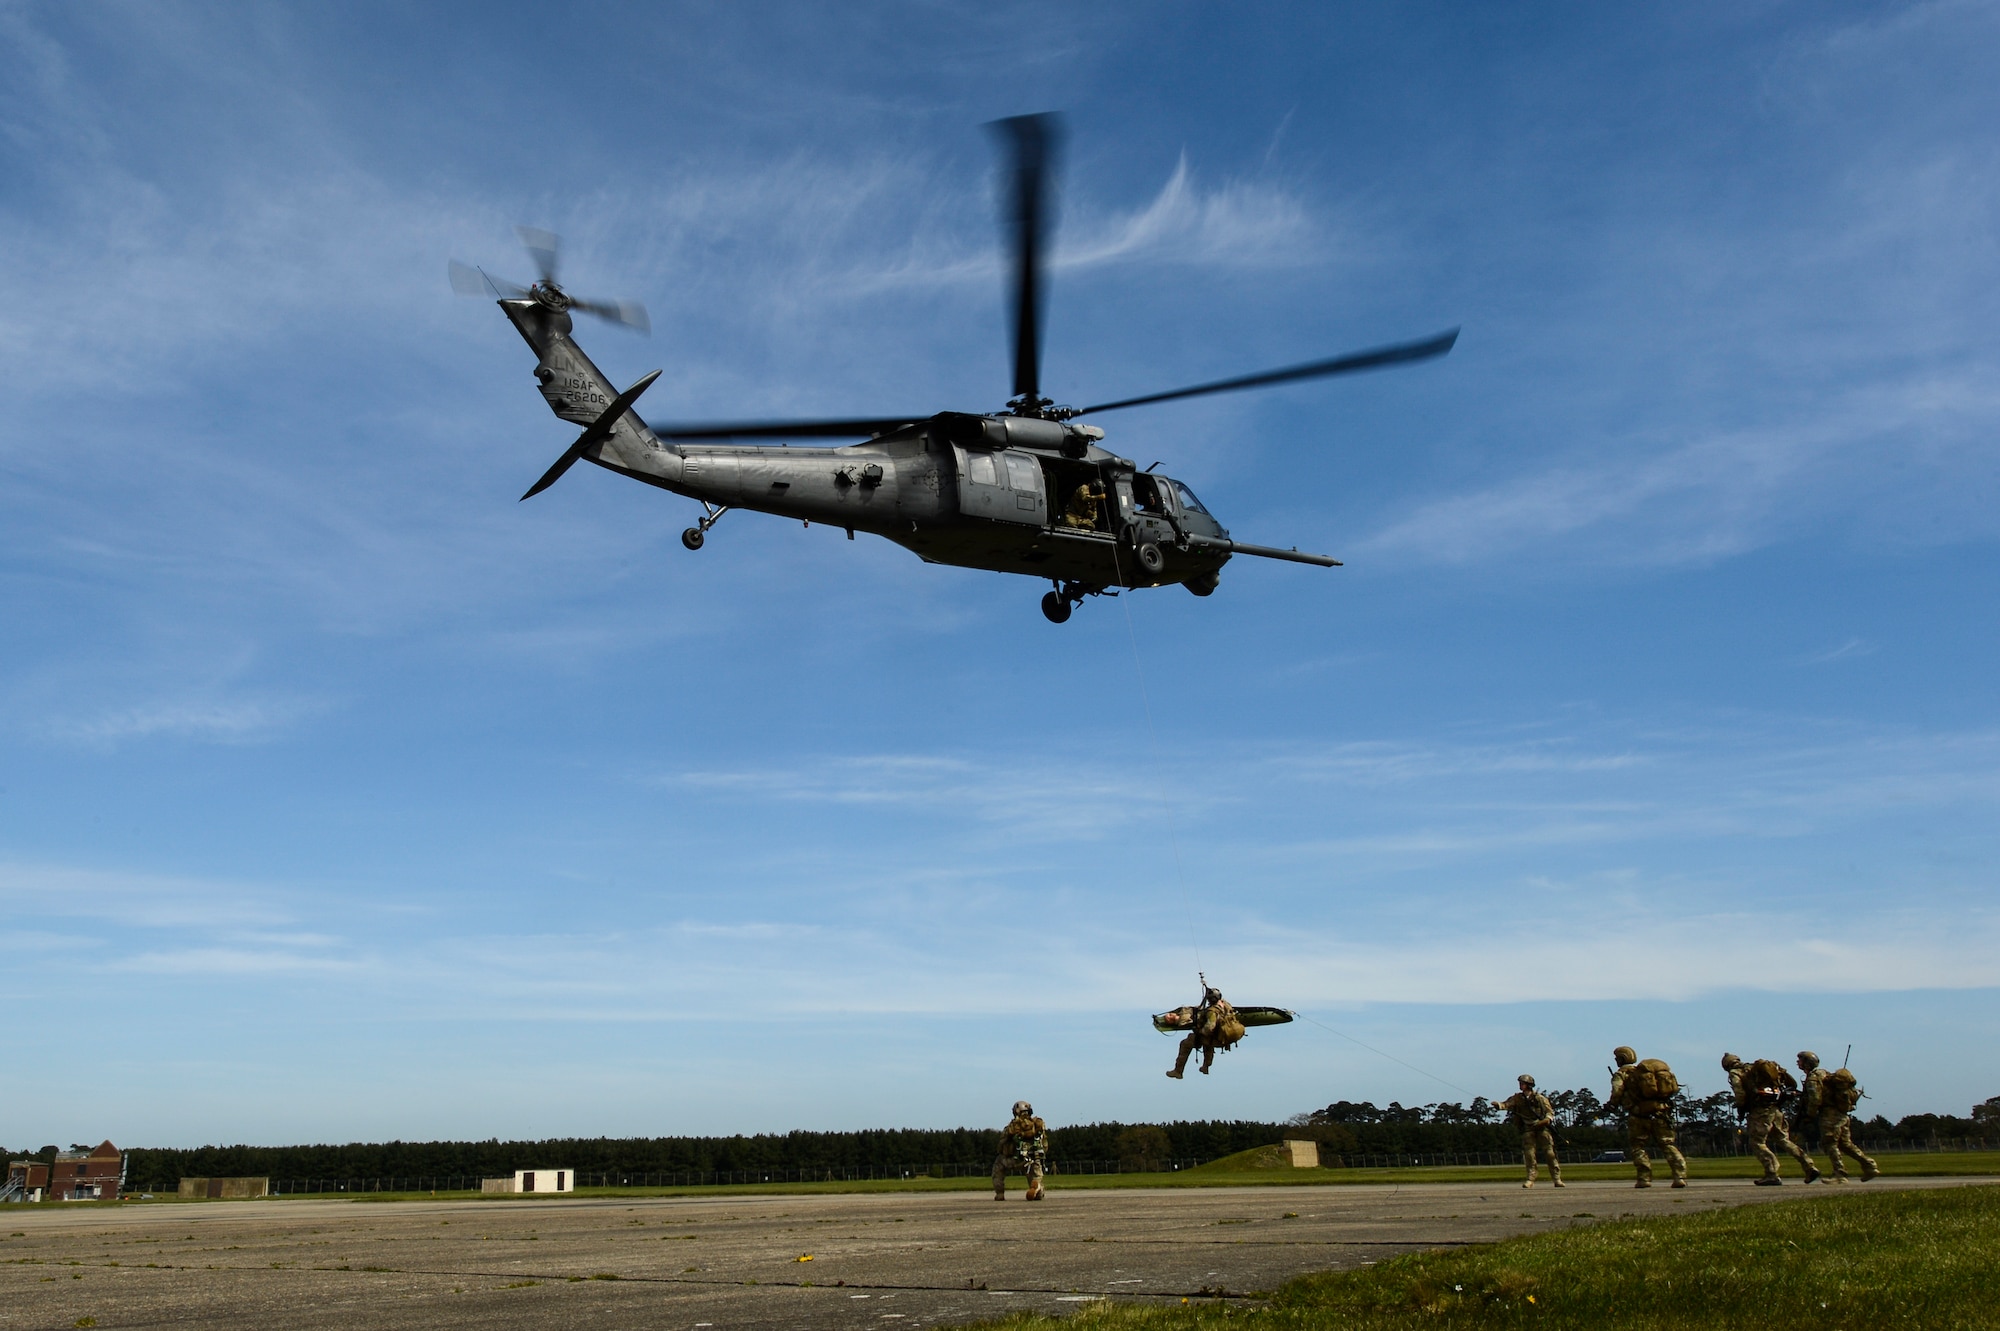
pixel 142 900
pixel 1037 801
pixel 1852 647
pixel 238 961
pixel 241 722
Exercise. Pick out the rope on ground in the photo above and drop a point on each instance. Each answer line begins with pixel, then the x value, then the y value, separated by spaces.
pixel 1383 1053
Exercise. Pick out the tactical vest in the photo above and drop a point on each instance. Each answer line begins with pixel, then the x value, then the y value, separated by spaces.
pixel 1763 1083
pixel 1651 1084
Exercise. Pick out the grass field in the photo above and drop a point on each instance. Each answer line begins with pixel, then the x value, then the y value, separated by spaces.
pixel 1848 1260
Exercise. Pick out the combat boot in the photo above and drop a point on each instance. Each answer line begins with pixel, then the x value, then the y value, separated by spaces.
pixel 1769 1181
pixel 1869 1169
pixel 1812 1173
pixel 1175 1073
pixel 1680 1183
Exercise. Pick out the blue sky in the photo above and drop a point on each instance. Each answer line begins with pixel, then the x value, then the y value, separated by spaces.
pixel 341 796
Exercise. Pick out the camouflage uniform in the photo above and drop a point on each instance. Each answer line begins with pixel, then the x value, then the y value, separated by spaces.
pixel 1647 1123
pixel 1082 509
pixel 1024 1145
pixel 1764 1121
pixel 1836 1133
pixel 1215 1027
pixel 1530 1109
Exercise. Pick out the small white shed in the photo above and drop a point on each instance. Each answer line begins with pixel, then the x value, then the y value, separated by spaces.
pixel 544 1180
pixel 533 1180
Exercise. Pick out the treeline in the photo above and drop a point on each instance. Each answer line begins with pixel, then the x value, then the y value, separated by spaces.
pixel 153 1169
pixel 1345 1127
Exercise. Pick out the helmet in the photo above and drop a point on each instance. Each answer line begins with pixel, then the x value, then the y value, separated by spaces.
pixel 1210 994
pixel 1022 1109
pixel 1625 1055
pixel 1808 1059
pixel 1731 1061
pixel 1527 1080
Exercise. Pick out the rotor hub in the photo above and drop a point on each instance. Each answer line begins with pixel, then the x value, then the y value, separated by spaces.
pixel 550 296
pixel 1040 408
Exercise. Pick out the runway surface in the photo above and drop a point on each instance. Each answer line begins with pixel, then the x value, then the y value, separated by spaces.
pixel 876 1260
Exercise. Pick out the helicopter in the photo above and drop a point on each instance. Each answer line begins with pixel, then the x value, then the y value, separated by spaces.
pixel 1029 489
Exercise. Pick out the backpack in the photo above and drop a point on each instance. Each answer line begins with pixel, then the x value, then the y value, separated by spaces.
pixel 1653 1080
pixel 1764 1081
pixel 1839 1092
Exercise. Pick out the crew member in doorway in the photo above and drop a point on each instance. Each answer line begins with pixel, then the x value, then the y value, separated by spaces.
pixel 1084 505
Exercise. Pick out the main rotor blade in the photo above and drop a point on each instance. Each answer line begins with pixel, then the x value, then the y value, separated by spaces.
pixel 1319 369
pixel 1033 142
pixel 544 247
pixel 851 428
pixel 627 312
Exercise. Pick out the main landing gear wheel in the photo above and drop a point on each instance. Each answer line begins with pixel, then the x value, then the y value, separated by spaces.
pixel 693 537
pixel 1056 606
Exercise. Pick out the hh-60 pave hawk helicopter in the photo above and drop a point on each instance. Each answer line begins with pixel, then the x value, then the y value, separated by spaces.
pixel 1024 490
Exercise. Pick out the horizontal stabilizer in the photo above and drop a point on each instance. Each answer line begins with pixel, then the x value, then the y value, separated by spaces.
pixel 594 433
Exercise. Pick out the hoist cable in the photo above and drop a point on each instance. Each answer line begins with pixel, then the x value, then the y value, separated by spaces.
pixel 1153 738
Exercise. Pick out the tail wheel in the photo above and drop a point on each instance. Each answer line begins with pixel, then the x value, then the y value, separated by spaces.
pixel 1151 557
pixel 693 537
pixel 1057 607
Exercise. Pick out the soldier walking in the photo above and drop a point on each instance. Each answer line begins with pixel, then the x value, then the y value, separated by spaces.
pixel 1831 1097
pixel 1646 1091
pixel 1024 1145
pixel 1530 1110
pixel 1761 1090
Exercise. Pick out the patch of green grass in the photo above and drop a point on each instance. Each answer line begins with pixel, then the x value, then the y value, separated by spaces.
pixel 1851 1260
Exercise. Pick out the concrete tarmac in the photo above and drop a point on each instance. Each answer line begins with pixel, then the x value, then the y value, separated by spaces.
pixel 881 1260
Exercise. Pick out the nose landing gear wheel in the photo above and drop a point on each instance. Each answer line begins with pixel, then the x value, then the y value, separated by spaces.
pixel 1056 606
pixel 1150 557
pixel 693 537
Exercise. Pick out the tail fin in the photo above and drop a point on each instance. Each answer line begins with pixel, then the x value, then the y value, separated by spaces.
pixel 575 389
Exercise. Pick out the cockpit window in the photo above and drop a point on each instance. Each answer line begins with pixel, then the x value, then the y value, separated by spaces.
pixel 1188 501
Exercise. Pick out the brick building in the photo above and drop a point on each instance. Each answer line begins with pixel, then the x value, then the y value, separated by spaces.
pixel 76 1176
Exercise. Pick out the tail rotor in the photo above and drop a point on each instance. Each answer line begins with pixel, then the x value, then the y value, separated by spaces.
pixel 545 249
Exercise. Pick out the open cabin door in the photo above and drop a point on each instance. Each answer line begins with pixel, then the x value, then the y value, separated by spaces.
pixel 1003 486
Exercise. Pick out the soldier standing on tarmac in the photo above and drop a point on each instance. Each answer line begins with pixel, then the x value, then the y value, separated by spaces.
pixel 1761 1089
pixel 1831 1097
pixel 1024 1144
pixel 1646 1091
pixel 1530 1109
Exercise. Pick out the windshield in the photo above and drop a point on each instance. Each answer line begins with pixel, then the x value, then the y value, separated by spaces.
pixel 1188 501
